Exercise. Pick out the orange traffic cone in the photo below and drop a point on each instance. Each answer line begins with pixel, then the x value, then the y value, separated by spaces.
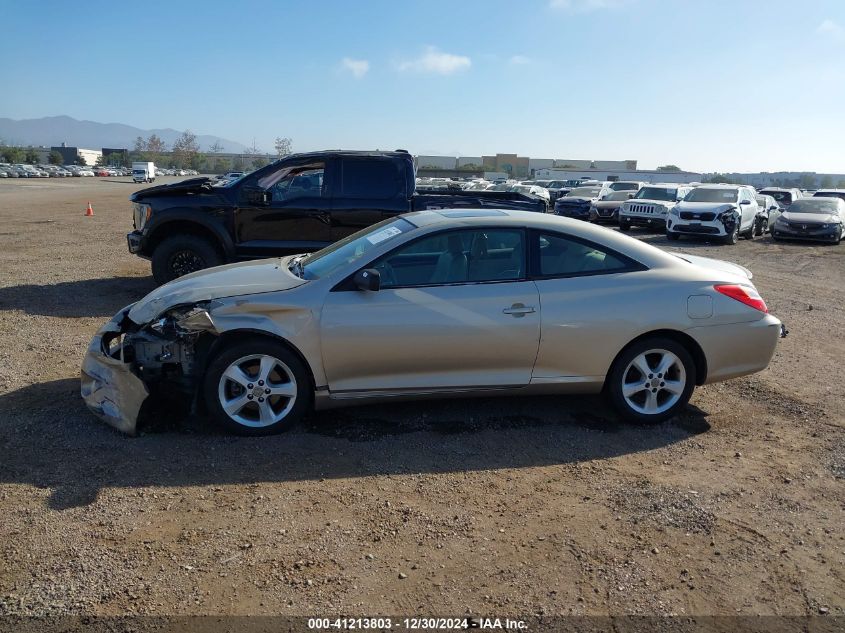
pixel 89 212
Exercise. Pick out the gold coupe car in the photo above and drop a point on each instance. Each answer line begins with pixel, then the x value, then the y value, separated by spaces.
pixel 434 303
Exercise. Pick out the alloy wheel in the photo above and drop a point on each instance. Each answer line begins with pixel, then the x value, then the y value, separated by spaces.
pixel 654 381
pixel 257 390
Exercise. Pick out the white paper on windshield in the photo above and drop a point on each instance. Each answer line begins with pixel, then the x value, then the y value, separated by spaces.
pixel 384 234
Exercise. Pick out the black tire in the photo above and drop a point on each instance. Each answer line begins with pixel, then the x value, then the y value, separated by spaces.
pixel 733 237
pixel 624 227
pixel 672 236
pixel 247 347
pixel 760 226
pixel 620 368
pixel 182 254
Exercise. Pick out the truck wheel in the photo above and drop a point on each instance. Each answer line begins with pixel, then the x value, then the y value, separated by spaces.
pixel 183 254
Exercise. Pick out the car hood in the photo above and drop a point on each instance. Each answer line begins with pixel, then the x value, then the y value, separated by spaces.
pixel 698 207
pixel 810 218
pixel 716 264
pixel 574 200
pixel 609 204
pixel 263 275
pixel 191 185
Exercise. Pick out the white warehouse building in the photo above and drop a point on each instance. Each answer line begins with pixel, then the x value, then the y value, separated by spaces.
pixel 642 175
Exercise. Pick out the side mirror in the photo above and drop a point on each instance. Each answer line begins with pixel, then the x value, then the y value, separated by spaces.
pixel 367 279
pixel 631 195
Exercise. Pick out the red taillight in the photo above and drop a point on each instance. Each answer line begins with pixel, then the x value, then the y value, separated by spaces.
pixel 743 294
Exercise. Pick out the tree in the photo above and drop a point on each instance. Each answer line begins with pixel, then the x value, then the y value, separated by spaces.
pixel 717 178
pixel 140 144
pixel 283 146
pixel 198 161
pixel 254 150
pixel 80 160
pixel 807 181
pixel 55 158
pixel 12 154
pixel 841 184
pixel 31 156
pixel 216 148
pixel 185 148
pixel 258 163
pixel 826 183
pixel 221 165
pixel 668 168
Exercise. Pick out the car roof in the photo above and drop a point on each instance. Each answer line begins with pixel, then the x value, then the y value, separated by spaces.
pixel 649 255
pixel 830 191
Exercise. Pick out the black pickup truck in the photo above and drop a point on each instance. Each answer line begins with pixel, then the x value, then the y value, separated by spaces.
pixel 297 204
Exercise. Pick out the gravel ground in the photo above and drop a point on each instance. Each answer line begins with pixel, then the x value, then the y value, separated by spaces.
pixel 522 507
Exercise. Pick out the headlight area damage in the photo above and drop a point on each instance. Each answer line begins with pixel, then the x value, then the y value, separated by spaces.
pixel 730 219
pixel 129 366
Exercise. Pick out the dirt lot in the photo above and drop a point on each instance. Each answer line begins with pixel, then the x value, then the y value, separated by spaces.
pixel 493 507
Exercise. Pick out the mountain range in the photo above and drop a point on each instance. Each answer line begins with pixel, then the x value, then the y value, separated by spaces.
pixel 55 130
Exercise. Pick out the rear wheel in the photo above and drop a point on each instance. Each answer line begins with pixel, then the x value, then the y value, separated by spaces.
pixel 256 387
pixel 652 380
pixel 624 227
pixel 183 254
pixel 672 236
pixel 760 226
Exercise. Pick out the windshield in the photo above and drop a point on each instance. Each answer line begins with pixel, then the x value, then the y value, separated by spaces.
pixel 350 249
pixel 816 205
pixel 616 196
pixel 830 194
pixel 657 193
pixel 526 189
pixel 584 192
pixel 781 196
pixel 703 194
pixel 625 186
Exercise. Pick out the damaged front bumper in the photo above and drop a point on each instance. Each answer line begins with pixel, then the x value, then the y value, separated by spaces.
pixel 109 387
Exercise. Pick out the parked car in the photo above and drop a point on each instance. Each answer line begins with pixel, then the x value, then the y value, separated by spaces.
pixel 769 212
pixel 444 303
pixel 721 211
pixel 784 197
pixel 818 219
pixel 607 211
pixel 651 205
pixel 533 191
pixel 576 204
pixel 830 193
pixel 300 203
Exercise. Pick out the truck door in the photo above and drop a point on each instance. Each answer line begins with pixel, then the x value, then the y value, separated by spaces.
pixel 367 190
pixel 285 211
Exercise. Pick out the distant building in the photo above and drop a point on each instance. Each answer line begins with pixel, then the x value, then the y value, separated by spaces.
pixel 70 154
pixel 437 162
pixel 643 175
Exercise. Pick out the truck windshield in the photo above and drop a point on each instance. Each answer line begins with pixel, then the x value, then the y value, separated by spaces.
pixel 348 250
pixel 656 193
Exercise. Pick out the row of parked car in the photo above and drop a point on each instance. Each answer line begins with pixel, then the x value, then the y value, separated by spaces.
pixel 21 170
pixel 724 212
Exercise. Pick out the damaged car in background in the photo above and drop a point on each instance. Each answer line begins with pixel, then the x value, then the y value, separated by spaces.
pixel 433 304
pixel 723 212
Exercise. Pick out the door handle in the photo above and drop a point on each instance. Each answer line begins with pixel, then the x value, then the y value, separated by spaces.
pixel 518 310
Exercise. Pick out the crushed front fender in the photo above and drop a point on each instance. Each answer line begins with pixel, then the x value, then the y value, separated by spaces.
pixel 109 387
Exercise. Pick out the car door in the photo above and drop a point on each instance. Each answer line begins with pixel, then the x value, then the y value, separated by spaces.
pixel 455 311
pixel 593 305
pixel 284 210
pixel 748 208
pixel 368 189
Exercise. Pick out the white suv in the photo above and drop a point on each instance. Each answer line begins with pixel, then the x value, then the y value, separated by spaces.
pixel 651 205
pixel 721 211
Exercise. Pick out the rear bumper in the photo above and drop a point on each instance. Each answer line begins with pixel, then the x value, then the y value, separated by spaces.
pixel 738 349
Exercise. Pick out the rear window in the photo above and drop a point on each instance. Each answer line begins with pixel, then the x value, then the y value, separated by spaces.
pixel 783 197
pixel 817 205
pixel 830 194
pixel 370 178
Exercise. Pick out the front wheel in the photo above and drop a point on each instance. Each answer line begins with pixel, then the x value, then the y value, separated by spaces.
pixel 652 380
pixel 256 387
pixel 674 237
pixel 183 254
pixel 733 236
pixel 760 226
pixel 624 227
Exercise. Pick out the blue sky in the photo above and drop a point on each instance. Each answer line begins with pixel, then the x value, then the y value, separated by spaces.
pixel 728 85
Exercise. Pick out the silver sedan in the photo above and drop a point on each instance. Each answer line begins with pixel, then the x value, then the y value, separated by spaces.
pixel 435 303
